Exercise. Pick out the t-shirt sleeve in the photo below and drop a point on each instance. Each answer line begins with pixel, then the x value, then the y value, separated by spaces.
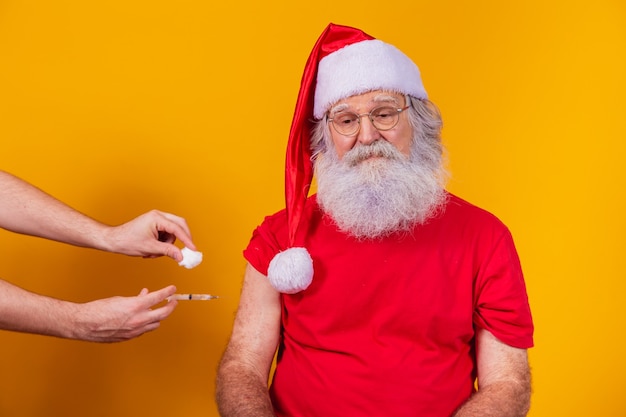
pixel 265 242
pixel 500 299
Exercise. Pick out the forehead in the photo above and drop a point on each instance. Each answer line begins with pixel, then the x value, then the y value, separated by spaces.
pixel 367 101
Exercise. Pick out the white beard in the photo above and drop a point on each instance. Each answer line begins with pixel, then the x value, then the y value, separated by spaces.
pixel 374 197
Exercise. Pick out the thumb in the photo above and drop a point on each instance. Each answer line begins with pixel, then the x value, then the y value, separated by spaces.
pixel 168 249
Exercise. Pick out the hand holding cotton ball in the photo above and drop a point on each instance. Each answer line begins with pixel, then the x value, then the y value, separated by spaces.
pixel 191 258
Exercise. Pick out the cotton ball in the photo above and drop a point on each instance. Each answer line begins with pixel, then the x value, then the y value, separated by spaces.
pixel 291 271
pixel 191 258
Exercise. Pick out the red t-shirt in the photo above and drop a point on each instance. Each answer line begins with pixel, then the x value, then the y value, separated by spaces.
pixel 387 326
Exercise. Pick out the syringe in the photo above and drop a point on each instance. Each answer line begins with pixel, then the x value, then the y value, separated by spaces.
pixel 192 297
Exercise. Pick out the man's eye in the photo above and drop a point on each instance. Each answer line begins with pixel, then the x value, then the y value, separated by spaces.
pixel 384 113
pixel 345 119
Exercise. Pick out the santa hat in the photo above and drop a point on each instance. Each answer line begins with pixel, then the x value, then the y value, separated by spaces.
pixel 344 62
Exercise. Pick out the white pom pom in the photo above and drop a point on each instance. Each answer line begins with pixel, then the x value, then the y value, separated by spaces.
pixel 291 271
pixel 191 258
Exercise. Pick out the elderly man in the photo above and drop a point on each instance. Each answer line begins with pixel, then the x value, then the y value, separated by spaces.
pixel 383 293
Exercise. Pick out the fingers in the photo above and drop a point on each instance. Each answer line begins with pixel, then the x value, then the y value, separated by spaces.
pixel 173 227
pixel 151 235
pixel 149 299
pixel 156 315
pixel 171 251
pixel 159 314
pixel 169 227
pixel 166 237
pixel 151 318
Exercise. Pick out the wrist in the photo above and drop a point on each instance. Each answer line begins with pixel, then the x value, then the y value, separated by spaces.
pixel 72 327
pixel 106 240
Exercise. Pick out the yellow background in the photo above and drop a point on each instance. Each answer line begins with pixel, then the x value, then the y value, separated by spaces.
pixel 119 107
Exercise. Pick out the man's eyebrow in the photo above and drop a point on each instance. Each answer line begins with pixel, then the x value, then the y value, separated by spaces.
pixel 338 108
pixel 385 98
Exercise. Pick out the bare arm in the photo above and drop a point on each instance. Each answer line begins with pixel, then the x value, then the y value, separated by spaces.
pixel 26 209
pixel 504 385
pixel 113 319
pixel 245 366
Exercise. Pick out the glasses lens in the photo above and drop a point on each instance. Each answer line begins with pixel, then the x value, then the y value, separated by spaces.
pixel 346 123
pixel 384 118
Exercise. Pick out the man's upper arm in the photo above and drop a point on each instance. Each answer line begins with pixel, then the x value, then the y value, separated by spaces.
pixel 497 361
pixel 257 324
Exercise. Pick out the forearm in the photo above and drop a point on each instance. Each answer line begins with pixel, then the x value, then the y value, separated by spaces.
pixel 241 392
pixel 23 311
pixel 501 399
pixel 26 209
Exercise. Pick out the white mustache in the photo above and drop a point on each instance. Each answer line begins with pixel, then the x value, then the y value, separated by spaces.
pixel 379 148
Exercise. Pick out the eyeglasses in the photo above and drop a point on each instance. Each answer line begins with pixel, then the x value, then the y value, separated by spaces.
pixel 383 118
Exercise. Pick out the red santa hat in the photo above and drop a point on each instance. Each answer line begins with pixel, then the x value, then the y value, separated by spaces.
pixel 344 62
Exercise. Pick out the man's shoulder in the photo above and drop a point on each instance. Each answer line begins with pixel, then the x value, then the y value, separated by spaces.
pixel 462 210
pixel 456 202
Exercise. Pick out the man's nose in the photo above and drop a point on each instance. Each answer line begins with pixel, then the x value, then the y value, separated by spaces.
pixel 367 133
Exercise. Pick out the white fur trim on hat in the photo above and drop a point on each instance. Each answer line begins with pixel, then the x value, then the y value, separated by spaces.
pixel 291 271
pixel 361 67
